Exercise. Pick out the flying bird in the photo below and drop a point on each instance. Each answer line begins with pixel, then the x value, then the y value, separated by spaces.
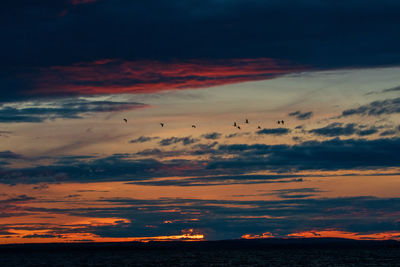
pixel 162 124
pixel 126 121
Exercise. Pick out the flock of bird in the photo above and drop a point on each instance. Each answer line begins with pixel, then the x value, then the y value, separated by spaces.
pixel 234 123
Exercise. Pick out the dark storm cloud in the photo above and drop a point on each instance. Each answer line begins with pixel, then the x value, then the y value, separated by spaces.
pixel 339 129
pixel 301 115
pixel 40 111
pixel 143 139
pixel 376 108
pixel 188 140
pixel 274 131
pixel 211 136
pixel 38 35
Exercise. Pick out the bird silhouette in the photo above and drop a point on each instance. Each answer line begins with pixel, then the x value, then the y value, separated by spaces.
pixel 126 121
pixel 162 124
pixel 279 122
pixel 234 124
pixel 282 122
pixel 247 121
pixel 259 127
pixel 238 127
pixel 193 126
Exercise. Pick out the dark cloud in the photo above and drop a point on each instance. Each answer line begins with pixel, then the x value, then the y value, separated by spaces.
pixel 274 131
pixel 188 140
pixel 224 180
pixel 332 154
pixel 393 89
pixel 211 136
pixel 39 111
pixel 296 192
pixel 9 155
pixel 87 170
pixel 236 160
pixel 301 115
pixel 339 129
pixel 237 134
pixel 15 199
pixel 143 139
pixel 388 90
pixel 222 219
pixel 376 108
pixel 391 131
pixel 38 38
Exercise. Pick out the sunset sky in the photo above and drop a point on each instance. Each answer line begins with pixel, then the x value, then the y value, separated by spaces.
pixel 72 170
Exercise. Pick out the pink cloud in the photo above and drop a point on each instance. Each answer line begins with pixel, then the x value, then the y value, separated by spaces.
pixel 108 76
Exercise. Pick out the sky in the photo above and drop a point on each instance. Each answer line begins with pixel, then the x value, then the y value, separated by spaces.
pixel 72 169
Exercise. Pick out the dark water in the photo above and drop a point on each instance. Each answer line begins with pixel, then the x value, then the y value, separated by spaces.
pixel 227 253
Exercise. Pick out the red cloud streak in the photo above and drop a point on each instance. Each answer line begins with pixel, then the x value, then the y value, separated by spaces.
pixel 115 76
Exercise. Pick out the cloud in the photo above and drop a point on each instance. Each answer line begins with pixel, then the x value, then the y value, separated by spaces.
pixel 376 108
pixel 338 129
pixel 335 154
pixel 391 131
pixel 69 108
pixel 79 2
pixel 228 219
pixel 233 163
pixel 188 140
pixel 393 89
pixel 237 135
pixel 9 155
pixel 388 90
pixel 223 180
pixel 203 41
pixel 211 136
pixel 301 116
pixel 116 76
pixel 143 139
pixel 274 131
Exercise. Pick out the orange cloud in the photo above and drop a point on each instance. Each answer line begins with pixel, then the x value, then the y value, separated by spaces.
pixel 330 233
pixel 348 235
pixel 17 236
pixel 264 235
pixel 115 76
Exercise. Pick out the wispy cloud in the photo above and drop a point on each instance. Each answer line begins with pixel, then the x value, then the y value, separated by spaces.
pixel 274 131
pixel 339 129
pixel 66 108
pixel 301 115
pixel 376 108
pixel 143 139
pixel 115 76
